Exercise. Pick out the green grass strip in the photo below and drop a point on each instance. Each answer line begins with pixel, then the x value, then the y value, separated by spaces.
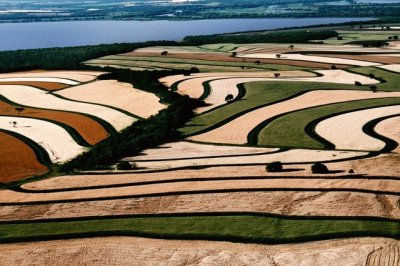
pixel 228 227
pixel 289 130
pixel 258 94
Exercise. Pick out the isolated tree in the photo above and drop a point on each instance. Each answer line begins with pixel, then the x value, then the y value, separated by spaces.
pixel 340 38
pixel 357 83
pixel 371 75
pixel 333 67
pixel 395 37
pixel 242 67
pixel 164 53
pixel 257 62
pixel 19 109
pixel 278 55
pixel 229 98
pixel 274 167
pixel 194 70
pixel 277 75
pixel 291 46
pixel 390 37
pixel 14 123
pixel 319 168
pixel 233 54
pixel 373 88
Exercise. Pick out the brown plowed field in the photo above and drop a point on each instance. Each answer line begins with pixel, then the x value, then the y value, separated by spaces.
pixel 227 58
pixel 89 129
pixel 50 86
pixel 17 160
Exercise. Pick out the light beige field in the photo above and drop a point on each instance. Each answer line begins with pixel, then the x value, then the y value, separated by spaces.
pixel 390 128
pixel 143 251
pixel 237 130
pixel 185 149
pixel 57 142
pixel 371 185
pixel 394 68
pixel 346 131
pixel 301 57
pixel 294 156
pixel 80 76
pixel 24 94
pixel 116 94
pixel 316 203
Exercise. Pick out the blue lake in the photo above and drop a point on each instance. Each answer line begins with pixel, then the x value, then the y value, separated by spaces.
pixel 74 33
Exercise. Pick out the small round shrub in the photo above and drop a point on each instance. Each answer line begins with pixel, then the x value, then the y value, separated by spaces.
pixel 319 168
pixel 274 167
pixel 124 166
pixel 351 171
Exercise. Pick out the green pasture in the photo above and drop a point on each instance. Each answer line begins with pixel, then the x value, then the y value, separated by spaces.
pixel 289 130
pixel 242 228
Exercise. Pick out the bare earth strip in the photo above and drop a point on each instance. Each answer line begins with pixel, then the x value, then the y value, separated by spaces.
pixel 236 131
pixel 170 80
pixel 28 79
pixel 193 187
pixel 346 204
pixel 50 86
pixel 60 146
pixel 184 150
pixel 390 128
pixel 291 156
pixel 322 59
pixel 142 251
pixel 394 67
pixel 80 76
pixel 33 97
pixel 116 94
pixel 17 159
pixel 346 131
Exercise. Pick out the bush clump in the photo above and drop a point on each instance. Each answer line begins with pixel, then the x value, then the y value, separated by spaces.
pixel 274 167
pixel 319 168
pixel 125 166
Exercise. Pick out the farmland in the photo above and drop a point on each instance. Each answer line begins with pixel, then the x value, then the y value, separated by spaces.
pixel 291 148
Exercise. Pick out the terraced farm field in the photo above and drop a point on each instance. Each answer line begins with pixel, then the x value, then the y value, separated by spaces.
pixel 328 114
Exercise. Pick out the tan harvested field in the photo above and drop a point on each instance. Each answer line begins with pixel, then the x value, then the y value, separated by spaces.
pixel 394 67
pixel 332 204
pixel 17 160
pixel 170 80
pixel 236 131
pixel 390 128
pixel 143 251
pixel 225 57
pixel 194 187
pixel 50 86
pixel 24 94
pixel 294 156
pixel 57 142
pixel 382 58
pixel 346 131
pixel 185 149
pixel 301 57
pixel 80 76
pixel 116 94
pixel 89 129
